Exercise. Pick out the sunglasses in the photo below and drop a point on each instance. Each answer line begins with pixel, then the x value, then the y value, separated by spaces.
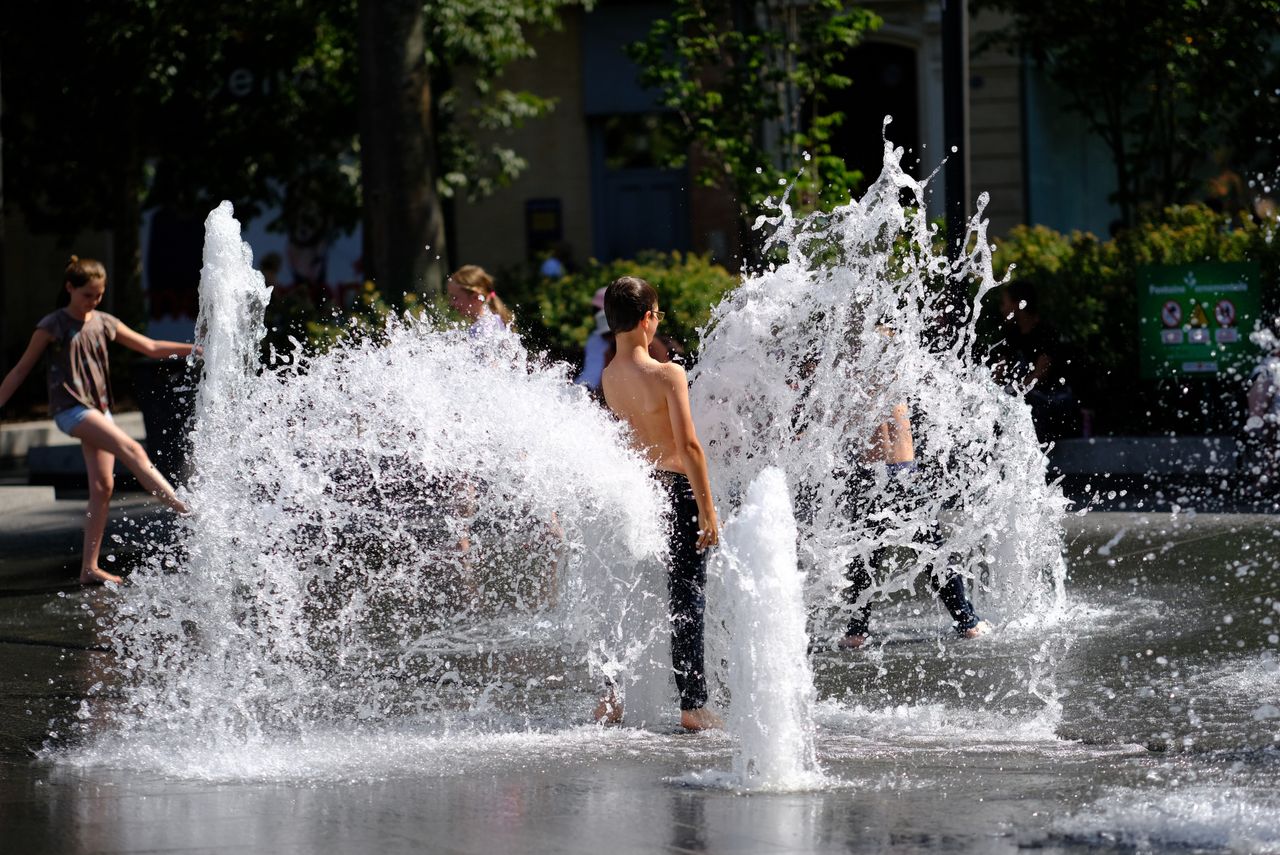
pixel 657 315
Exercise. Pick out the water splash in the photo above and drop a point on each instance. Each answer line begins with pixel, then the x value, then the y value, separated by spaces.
pixel 439 533
pixel 812 353
pixel 424 528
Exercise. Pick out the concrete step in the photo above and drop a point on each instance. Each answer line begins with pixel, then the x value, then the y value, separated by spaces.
pixel 17 499
pixel 1193 456
pixel 50 456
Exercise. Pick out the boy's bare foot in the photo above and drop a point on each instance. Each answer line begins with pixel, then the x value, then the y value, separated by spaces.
pixel 978 630
pixel 608 711
pixel 700 719
pixel 851 642
pixel 97 576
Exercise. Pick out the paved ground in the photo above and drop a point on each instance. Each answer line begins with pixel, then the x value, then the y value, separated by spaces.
pixel 901 786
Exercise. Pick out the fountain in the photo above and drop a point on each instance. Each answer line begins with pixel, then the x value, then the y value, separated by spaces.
pixel 414 562
pixel 426 531
pixel 811 353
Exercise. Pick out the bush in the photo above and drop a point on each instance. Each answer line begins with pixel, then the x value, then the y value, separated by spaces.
pixel 556 315
pixel 552 315
pixel 1088 289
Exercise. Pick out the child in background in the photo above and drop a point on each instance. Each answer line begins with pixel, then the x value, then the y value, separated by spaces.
pixel 471 295
pixel 892 445
pixel 80 399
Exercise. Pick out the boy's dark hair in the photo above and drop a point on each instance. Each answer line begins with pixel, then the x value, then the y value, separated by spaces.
pixel 626 301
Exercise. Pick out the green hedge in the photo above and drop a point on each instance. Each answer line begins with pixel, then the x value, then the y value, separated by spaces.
pixel 1088 289
pixel 552 315
pixel 556 315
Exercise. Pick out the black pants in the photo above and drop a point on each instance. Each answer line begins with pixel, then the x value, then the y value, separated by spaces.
pixel 686 581
pixel 899 494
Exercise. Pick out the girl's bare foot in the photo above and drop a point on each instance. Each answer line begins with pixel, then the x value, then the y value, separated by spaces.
pixel 851 642
pixel 978 630
pixel 97 576
pixel 700 719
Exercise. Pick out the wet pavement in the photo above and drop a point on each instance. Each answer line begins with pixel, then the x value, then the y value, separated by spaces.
pixel 1146 720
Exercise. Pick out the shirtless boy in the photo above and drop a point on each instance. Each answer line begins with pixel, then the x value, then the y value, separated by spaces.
pixel 653 398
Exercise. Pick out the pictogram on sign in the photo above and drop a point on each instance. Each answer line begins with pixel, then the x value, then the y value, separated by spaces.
pixel 1225 313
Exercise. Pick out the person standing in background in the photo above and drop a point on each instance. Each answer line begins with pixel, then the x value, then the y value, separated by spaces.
pixel 598 344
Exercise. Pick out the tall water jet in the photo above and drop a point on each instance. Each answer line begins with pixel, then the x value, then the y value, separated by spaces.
pixel 770 680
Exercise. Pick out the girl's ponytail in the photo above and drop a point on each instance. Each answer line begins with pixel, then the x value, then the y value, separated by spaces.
pixel 473 278
pixel 500 309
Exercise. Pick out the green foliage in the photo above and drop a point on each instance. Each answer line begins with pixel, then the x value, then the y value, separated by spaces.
pixel 1163 84
pixel 294 323
pixel 551 315
pixel 183 104
pixel 1088 287
pixel 556 314
pixel 736 76
pixel 469 44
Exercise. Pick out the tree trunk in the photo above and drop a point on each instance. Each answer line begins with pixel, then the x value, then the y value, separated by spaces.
pixel 404 237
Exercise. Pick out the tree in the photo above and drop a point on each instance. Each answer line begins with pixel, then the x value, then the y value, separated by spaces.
pixel 749 83
pixel 132 103
pixel 1163 84
pixel 433 109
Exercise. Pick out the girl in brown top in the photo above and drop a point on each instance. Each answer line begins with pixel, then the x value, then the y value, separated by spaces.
pixel 75 338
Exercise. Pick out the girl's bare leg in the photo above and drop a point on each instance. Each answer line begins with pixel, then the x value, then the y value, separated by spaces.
pixel 100 465
pixel 97 430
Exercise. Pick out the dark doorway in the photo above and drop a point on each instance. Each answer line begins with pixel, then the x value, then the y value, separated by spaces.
pixel 640 202
pixel 884 84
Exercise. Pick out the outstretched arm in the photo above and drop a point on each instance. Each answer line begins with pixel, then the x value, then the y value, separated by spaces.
pixel 39 341
pixel 150 347
pixel 695 460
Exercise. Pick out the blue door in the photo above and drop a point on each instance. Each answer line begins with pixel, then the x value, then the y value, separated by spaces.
pixel 639 204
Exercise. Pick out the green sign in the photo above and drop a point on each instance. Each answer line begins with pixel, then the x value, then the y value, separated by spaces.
pixel 1195 319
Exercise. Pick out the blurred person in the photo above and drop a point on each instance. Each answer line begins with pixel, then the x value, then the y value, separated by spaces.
pixel 1032 359
pixel 892 446
pixel 558 263
pixel 472 296
pixel 598 344
pixel 80 400
pixel 1262 427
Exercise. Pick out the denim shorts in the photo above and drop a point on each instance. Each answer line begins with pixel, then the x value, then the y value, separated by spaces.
pixel 68 419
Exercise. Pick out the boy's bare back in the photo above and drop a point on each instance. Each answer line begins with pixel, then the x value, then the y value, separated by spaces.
pixel 639 389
